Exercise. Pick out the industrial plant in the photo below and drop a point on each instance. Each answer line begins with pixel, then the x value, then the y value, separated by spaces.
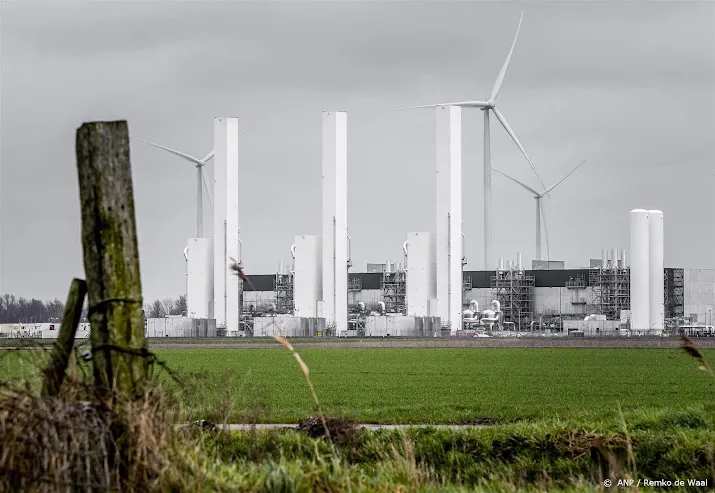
pixel 428 293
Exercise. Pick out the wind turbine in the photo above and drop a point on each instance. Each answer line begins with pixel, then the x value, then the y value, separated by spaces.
pixel 540 214
pixel 487 106
pixel 201 180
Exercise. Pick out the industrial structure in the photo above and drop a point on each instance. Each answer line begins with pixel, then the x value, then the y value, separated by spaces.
pixel 430 294
pixel 514 289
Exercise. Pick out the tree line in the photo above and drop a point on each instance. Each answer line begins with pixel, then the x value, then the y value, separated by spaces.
pixel 22 310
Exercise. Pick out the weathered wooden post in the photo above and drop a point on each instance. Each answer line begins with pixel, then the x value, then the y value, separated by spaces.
pixel 55 371
pixel 111 257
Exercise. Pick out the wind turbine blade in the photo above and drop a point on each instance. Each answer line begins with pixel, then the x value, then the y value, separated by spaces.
pixel 208 193
pixel 528 188
pixel 208 157
pixel 567 175
pixel 546 232
pixel 245 125
pixel 502 74
pixel 511 133
pixel 465 104
pixel 175 152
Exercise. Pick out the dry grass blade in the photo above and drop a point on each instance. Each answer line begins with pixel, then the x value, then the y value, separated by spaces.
pixel 73 441
pixel 306 373
pixel 687 345
pixel 284 342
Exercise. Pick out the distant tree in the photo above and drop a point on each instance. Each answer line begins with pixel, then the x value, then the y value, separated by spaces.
pixel 168 304
pixel 21 310
pixel 156 310
pixel 180 307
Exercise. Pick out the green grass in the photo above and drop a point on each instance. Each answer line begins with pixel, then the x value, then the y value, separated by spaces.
pixel 544 456
pixel 570 435
pixel 446 385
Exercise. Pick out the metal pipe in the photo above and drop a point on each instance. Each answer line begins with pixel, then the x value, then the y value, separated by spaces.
pixel 186 256
pixel 464 248
pixel 240 246
pixel 404 249
pixel 225 275
pixel 449 268
pixel 292 250
pixel 350 247
pixel 335 275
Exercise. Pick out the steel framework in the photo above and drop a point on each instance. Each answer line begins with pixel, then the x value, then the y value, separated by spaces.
pixel 674 293
pixel 393 287
pixel 611 291
pixel 515 292
pixel 283 287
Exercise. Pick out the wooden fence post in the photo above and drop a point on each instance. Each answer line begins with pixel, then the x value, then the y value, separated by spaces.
pixel 111 257
pixel 55 371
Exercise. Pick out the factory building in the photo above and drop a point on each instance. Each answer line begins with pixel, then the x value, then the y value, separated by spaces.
pixel 530 298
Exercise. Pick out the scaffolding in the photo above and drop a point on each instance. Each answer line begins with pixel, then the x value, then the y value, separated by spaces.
pixel 354 284
pixel 611 291
pixel 515 292
pixel 283 287
pixel 393 287
pixel 674 293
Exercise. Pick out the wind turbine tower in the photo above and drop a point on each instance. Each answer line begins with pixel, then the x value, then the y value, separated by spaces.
pixel 226 283
pixel 487 106
pixel 540 214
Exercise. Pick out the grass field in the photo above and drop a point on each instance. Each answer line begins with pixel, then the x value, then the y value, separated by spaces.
pixel 427 385
pixel 564 418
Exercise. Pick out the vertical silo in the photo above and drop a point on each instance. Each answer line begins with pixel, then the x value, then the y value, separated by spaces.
pixel 640 269
pixel 657 290
pixel 604 259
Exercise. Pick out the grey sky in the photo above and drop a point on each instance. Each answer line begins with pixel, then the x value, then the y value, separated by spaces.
pixel 629 86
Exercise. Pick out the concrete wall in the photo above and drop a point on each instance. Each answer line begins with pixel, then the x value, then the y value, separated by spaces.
pixel 288 326
pixel 699 294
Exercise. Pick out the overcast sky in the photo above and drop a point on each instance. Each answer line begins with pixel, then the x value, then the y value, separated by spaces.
pixel 628 86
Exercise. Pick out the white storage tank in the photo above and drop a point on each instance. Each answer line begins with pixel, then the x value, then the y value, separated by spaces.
pixel 308 276
pixel 657 290
pixel 640 269
pixel 420 279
